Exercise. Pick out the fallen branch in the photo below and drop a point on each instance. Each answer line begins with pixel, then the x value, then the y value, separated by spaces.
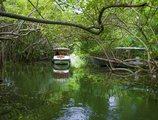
pixel 123 69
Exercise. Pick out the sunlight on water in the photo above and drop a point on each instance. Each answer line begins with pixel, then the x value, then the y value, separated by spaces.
pixel 112 103
pixel 75 111
pixel 112 108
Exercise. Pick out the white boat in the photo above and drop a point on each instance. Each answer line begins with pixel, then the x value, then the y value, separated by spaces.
pixel 61 63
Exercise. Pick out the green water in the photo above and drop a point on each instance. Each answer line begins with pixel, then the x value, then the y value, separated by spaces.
pixel 29 92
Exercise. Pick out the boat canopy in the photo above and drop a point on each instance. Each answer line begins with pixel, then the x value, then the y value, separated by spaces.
pixel 61 49
pixel 129 48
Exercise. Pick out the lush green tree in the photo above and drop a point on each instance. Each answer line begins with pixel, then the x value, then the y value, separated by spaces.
pixel 97 25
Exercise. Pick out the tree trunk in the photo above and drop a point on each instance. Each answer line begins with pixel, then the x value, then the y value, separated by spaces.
pixel 2 55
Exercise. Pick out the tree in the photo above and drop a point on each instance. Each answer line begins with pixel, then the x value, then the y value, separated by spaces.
pixel 92 29
pixel 106 22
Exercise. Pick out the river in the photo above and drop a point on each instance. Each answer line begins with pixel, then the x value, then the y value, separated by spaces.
pixel 29 92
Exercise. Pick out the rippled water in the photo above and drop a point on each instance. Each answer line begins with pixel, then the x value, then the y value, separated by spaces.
pixel 29 92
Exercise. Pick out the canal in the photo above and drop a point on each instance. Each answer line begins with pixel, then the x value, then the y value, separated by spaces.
pixel 29 92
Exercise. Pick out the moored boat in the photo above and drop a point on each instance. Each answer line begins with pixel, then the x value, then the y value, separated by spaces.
pixel 117 63
pixel 61 63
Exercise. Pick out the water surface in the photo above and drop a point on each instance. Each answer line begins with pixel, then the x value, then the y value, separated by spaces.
pixel 29 92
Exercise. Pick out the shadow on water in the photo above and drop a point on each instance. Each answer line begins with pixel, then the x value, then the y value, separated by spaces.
pixel 30 92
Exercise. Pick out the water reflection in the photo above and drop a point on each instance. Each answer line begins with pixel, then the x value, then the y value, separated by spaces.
pixel 74 111
pixel 61 75
pixel 112 108
pixel 112 103
pixel 7 83
pixel 36 95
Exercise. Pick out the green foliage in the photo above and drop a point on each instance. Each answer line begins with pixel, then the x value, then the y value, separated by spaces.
pixel 122 26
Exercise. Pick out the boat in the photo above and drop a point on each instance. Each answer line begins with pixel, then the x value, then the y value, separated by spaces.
pixel 116 63
pixel 61 63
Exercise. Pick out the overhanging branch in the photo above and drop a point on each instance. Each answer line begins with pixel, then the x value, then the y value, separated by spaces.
pixel 91 29
pixel 115 6
pixel 20 17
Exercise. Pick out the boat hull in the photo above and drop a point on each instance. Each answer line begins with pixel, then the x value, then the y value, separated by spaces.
pixel 116 64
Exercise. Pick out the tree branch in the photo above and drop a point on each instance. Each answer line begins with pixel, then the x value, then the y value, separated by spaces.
pixel 35 7
pixel 8 33
pixel 89 28
pixel 4 38
pixel 115 6
pixel 12 15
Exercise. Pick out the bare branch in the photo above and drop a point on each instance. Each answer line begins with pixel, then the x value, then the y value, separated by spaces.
pixel 8 25
pixel 4 38
pixel 9 33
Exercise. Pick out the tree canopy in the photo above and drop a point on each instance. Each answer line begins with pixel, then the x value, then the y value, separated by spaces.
pixel 91 25
pixel 94 29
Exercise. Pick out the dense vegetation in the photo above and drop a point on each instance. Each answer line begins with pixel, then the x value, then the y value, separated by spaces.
pixel 90 26
pixel 30 29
